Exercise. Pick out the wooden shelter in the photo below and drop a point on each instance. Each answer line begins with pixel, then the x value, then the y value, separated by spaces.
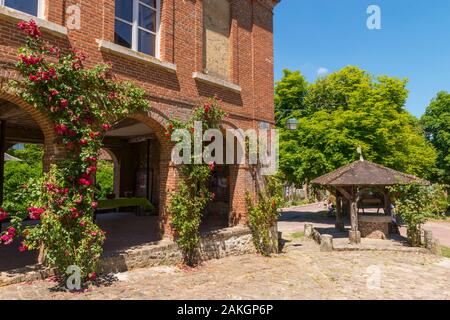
pixel 347 181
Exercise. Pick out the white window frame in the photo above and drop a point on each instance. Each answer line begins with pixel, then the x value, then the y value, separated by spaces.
pixel 40 8
pixel 135 25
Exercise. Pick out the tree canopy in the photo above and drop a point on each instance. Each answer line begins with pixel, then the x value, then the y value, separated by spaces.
pixel 436 123
pixel 289 95
pixel 351 108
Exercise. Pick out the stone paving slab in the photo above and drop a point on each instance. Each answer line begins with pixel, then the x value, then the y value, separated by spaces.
pixel 301 272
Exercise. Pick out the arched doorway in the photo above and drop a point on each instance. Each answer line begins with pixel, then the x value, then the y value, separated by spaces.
pixel 133 213
pixel 26 144
pixel 229 183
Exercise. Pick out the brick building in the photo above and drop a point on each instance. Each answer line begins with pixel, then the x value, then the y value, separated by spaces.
pixel 181 52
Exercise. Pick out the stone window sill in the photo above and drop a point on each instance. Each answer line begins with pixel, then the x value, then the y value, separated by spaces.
pixel 108 46
pixel 47 26
pixel 200 76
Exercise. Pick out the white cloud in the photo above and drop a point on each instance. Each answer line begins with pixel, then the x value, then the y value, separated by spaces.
pixel 322 72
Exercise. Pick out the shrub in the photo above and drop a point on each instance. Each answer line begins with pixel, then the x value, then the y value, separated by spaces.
pixel 416 204
pixel 263 215
pixel 105 178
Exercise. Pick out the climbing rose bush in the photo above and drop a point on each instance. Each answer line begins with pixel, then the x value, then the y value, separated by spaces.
pixel 83 104
pixel 188 204
pixel 263 214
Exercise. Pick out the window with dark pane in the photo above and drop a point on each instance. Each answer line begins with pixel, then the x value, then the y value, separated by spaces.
pixel 123 34
pixel 124 10
pixel 146 42
pixel 136 25
pixel 27 6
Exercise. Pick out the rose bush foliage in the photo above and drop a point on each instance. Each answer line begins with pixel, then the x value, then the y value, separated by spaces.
pixel 187 205
pixel 84 103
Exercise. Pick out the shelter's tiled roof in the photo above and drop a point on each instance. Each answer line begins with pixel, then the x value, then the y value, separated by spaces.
pixel 365 173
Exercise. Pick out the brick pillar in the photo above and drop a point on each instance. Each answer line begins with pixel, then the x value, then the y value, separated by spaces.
pixel 240 184
pixel 168 184
pixel 52 155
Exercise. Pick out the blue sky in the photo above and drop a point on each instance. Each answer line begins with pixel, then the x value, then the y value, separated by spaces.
pixel 326 35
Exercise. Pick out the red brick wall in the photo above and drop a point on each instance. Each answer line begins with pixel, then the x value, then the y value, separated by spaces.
pixel 174 94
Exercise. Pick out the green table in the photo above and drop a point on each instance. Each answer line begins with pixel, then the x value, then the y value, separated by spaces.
pixel 143 203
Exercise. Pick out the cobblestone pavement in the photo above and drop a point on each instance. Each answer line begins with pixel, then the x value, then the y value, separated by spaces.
pixel 301 272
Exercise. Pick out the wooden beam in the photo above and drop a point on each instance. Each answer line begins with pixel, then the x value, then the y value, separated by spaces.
pixel 339 221
pixel 346 194
pixel 14 134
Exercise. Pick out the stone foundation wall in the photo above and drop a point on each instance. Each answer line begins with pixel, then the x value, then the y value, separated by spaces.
pixel 214 245
pixel 374 230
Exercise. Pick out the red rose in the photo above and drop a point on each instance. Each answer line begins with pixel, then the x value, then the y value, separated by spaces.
pixel 6 239
pixel 84 181
pixel 94 134
pixel 52 72
pixel 3 214
pixel 23 248
pixel 91 169
pixel 61 129
pixel 63 103
pixel 92 276
pixel 30 28
pixel 91 159
pixel 106 126
pixel 35 213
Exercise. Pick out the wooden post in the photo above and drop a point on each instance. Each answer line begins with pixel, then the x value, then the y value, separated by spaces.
pixel 354 234
pixel 2 161
pixel 147 173
pixel 387 203
pixel 339 220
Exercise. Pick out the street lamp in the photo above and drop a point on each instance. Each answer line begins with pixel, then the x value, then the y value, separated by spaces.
pixel 292 124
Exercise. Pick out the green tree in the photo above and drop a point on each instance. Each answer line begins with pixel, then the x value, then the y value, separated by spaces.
pixel 105 178
pixel 436 123
pixel 17 173
pixel 290 92
pixel 31 154
pixel 348 109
